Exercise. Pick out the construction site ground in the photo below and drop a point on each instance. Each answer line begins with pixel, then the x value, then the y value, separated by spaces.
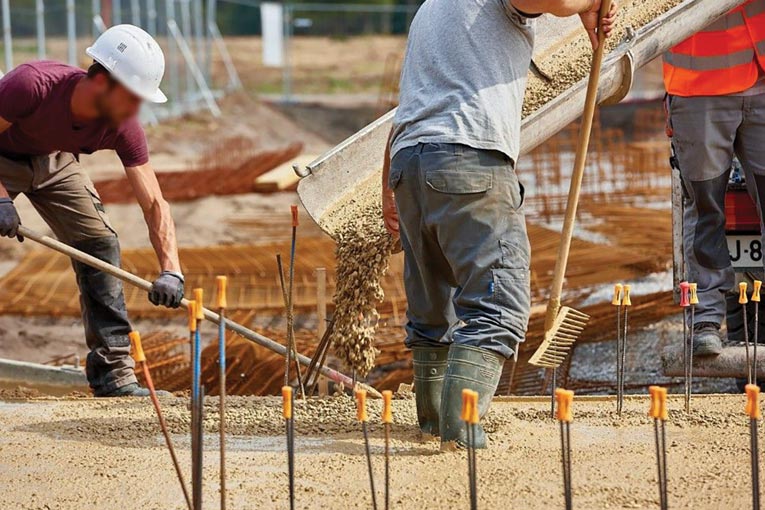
pixel 82 453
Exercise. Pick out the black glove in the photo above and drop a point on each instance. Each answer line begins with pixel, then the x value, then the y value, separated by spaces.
pixel 9 219
pixel 167 290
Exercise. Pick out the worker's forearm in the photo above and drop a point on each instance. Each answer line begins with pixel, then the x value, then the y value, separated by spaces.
pixel 162 235
pixel 560 8
pixel 386 167
pixel 3 191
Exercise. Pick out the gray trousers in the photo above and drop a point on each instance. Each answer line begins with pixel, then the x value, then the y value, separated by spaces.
pixel 65 198
pixel 466 248
pixel 707 131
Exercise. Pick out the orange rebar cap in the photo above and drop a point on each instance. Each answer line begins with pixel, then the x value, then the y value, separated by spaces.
pixel 361 405
pixel 756 291
pixel 466 403
pixel 658 408
pixel 742 293
pixel 135 340
pixel 387 413
pixel 564 398
pixel 192 309
pixel 617 299
pixel 294 211
pixel 626 301
pixel 220 296
pixel 199 297
pixel 753 401
pixel 694 297
pixel 474 415
pixel 287 402
pixel 685 288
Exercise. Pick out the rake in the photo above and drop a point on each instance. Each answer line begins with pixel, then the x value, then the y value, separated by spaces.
pixel 563 324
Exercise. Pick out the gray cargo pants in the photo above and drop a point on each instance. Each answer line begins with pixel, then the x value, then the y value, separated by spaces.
pixel 67 201
pixel 465 246
pixel 707 131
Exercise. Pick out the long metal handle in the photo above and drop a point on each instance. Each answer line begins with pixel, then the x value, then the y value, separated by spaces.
pixel 132 279
pixel 576 177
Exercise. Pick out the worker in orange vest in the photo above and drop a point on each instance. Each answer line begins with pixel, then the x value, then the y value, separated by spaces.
pixel 715 83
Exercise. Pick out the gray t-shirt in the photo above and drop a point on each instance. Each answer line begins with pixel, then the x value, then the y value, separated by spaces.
pixel 464 76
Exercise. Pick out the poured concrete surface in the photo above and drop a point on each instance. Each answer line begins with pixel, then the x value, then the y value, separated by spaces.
pixel 84 453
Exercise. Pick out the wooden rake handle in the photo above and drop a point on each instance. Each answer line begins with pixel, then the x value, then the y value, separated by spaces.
pixel 576 177
pixel 142 284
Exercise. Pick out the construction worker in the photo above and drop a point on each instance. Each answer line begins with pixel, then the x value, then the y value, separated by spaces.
pixel 451 192
pixel 50 113
pixel 715 82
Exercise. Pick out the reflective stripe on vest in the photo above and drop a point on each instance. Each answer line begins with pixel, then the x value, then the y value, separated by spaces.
pixel 712 63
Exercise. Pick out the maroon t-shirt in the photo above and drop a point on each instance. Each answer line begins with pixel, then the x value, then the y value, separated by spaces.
pixel 36 99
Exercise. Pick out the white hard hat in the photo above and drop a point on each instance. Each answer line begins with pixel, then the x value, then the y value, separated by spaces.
pixel 133 58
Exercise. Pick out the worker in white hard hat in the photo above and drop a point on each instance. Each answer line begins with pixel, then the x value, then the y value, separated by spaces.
pixel 50 113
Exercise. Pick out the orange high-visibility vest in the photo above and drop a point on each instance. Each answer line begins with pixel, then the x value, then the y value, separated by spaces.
pixel 724 58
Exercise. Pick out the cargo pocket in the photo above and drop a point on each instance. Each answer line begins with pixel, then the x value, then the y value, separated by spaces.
pixel 100 210
pixel 459 182
pixel 512 296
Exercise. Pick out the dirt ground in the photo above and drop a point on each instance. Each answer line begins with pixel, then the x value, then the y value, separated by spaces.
pixel 84 453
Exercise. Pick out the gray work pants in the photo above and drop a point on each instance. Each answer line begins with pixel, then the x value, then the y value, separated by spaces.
pixel 707 131
pixel 465 246
pixel 65 198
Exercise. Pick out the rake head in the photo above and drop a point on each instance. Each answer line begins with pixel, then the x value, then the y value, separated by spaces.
pixel 559 338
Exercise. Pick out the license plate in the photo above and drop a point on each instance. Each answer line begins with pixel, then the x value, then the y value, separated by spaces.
pixel 745 252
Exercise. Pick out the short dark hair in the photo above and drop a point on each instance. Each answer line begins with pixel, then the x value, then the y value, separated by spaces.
pixel 95 69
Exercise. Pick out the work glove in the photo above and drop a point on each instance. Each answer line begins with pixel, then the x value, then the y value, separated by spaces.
pixel 167 290
pixel 9 219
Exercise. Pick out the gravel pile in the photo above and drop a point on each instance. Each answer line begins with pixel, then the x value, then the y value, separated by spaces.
pixel 363 252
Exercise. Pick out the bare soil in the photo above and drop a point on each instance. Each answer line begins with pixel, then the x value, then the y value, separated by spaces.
pixel 84 453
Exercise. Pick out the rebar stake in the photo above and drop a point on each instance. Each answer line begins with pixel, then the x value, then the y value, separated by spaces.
pixel 363 417
pixel 197 393
pixel 658 411
pixel 742 299
pixel 617 302
pixel 756 299
pixel 693 300
pixel 387 419
pixel 140 357
pixel 753 410
pixel 221 302
pixel 470 416
pixel 288 400
pixel 685 302
pixel 565 399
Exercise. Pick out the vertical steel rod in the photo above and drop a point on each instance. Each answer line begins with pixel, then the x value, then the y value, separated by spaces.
pixel 40 28
pixel 7 38
pixel 116 12
pixel 71 33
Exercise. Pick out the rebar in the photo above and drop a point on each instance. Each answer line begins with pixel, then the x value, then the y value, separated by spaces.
pixel 221 298
pixel 623 374
pixel 291 348
pixel 754 448
pixel 689 362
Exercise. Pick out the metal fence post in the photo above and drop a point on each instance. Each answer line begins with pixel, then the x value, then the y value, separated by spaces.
pixel 40 28
pixel 172 57
pixel 7 40
pixel 71 33
pixel 116 12
pixel 199 32
pixel 287 69
pixel 135 12
pixel 212 8
pixel 186 33
pixel 151 16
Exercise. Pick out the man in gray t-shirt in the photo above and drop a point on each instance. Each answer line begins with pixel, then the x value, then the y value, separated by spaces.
pixel 451 193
